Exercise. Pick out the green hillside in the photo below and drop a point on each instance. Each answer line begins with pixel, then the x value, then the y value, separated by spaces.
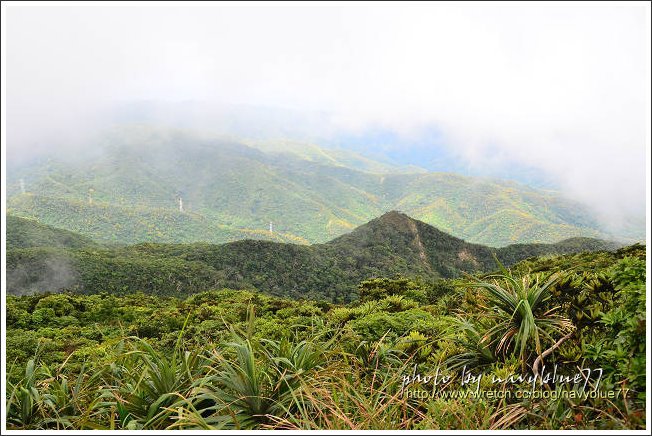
pixel 23 233
pixel 331 156
pixel 393 244
pixel 127 191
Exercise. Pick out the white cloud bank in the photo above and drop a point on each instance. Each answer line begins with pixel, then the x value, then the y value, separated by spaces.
pixel 560 87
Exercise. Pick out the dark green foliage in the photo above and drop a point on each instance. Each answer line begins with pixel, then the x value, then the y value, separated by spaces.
pixel 377 289
pixel 393 244
pixel 622 351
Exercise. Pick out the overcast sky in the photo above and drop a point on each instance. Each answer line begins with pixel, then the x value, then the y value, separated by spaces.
pixel 557 87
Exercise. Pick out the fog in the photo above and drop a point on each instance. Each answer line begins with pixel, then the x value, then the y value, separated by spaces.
pixel 560 88
pixel 52 274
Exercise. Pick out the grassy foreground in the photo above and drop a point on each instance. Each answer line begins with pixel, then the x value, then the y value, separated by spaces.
pixel 242 360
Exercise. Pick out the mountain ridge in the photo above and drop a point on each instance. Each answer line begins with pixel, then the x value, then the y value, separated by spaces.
pixel 127 191
pixel 392 244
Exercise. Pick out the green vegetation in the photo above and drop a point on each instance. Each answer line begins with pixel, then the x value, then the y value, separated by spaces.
pixel 389 245
pixel 127 192
pixel 23 233
pixel 520 322
pixel 229 359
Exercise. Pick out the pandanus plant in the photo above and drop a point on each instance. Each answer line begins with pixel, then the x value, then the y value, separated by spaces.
pixel 523 322
pixel 252 382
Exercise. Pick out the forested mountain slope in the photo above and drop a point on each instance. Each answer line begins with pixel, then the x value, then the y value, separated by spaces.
pixel 393 244
pixel 127 190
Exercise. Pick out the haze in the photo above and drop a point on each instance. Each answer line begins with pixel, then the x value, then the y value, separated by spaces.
pixel 559 88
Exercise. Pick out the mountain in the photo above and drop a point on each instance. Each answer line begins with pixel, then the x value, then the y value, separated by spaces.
pixel 127 190
pixel 339 157
pixel 393 244
pixel 24 233
pixel 264 125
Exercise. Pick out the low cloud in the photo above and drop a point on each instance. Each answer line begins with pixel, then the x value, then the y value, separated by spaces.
pixel 559 88
pixel 49 273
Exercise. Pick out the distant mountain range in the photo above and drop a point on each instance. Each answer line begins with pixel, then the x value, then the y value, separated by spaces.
pixel 43 258
pixel 127 188
pixel 426 148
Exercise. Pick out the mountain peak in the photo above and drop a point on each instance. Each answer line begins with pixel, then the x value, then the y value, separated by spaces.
pixel 398 230
pixel 389 223
pixel 396 221
pixel 394 217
